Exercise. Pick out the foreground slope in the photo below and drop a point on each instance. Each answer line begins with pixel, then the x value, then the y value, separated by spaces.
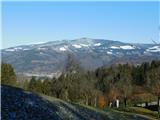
pixel 21 105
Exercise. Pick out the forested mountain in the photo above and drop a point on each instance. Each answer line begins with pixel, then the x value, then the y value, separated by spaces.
pixel 50 59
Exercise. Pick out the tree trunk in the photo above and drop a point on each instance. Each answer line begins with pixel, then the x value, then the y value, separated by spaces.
pixel 86 100
pixel 57 94
pixel 95 102
pixel 125 101
pixel 66 95
pixel 158 106
pixel 146 104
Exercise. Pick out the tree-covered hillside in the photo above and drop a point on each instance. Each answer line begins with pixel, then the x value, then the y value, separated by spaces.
pixel 128 83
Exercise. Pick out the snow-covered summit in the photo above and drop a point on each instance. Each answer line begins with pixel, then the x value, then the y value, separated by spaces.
pixel 153 49
pixel 125 47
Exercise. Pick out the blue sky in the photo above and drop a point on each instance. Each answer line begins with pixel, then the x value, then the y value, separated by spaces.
pixel 34 22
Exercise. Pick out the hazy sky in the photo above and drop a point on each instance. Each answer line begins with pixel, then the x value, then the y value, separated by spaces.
pixel 34 22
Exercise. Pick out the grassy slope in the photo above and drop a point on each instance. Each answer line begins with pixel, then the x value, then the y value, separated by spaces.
pixel 139 110
pixel 126 115
pixel 111 114
pixel 19 104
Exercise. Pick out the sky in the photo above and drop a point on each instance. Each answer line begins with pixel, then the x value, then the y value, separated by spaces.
pixel 36 22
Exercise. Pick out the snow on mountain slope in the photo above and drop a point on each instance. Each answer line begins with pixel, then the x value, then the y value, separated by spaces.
pixel 84 45
pixel 115 47
pixel 97 44
pixel 108 52
pixel 10 50
pixel 62 49
pixel 77 46
pixel 125 47
pixel 41 48
pixel 153 49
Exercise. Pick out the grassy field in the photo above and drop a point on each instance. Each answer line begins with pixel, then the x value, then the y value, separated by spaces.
pixel 139 110
pixel 122 114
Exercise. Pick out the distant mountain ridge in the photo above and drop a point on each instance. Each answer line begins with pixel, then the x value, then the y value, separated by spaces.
pixel 50 58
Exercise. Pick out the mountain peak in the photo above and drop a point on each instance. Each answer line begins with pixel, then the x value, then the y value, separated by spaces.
pixel 83 40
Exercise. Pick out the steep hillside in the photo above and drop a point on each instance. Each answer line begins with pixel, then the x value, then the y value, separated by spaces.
pixel 17 104
pixel 48 59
